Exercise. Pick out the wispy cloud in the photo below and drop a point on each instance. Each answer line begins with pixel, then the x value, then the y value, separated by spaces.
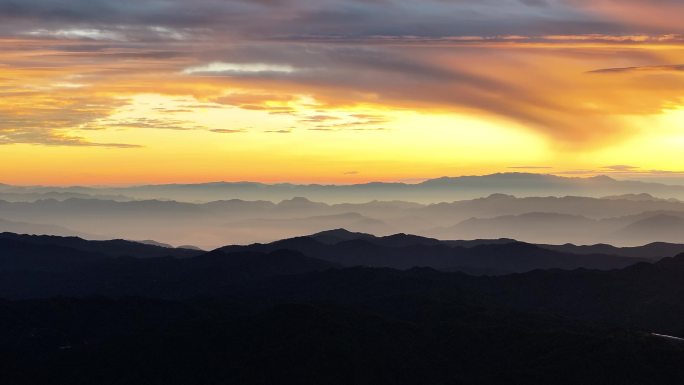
pixel 228 131
pixel 656 68
pixel 219 68
pixel 278 131
pixel 621 167
pixel 149 123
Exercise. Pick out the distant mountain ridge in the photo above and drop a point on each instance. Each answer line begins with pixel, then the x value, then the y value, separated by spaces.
pixel 580 220
pixel 33 228
pixel 651 251
pixel 630 230
pixel 429 191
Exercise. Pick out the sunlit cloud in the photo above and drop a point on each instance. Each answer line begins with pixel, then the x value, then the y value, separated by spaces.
pixel 227 68
pixel 94 34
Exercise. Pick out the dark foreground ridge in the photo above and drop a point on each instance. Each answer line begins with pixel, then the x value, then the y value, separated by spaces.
pixel 284 315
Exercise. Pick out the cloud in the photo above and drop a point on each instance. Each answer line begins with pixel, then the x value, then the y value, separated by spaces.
pixel 259 100
pixel 278 131
pixel 660 68
pixel 522 64
pixel 146 123
pixel 535 3
pixel 540 88
pixel 318 118
pixel 652 15
pixel 219 68
pixel 227 131
pixel 354 122
pixel 37 117
pixel 8 137
pixel 89 33
pixel 179 19
pixel 621 167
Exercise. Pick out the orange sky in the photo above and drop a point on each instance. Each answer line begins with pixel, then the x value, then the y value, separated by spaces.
pixel 102 102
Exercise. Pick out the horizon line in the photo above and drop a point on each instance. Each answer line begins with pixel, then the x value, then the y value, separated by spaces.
pixel 404 181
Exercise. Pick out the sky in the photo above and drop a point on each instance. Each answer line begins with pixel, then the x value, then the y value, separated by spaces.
pixel 338 91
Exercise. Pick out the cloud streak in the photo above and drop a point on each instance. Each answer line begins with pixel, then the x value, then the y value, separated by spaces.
pixel 662 68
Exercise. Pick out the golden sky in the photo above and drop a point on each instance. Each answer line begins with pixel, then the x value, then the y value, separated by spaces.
pixel 338 91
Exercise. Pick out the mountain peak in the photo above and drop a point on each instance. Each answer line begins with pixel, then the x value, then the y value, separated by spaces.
pixel 338 235
pixel 298 202
pixel 402 239
pixel 602 178
pixel 497 196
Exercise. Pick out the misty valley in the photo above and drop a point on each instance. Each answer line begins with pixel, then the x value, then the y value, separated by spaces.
pixel 209 216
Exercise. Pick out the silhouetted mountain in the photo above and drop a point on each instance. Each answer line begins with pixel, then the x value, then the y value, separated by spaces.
pixel 280 313
pixel 357 325
pixel 190 247
pixel 155 243
pixel 17 255
pixel 332 237
pixel 112 248
pixel 478 242
pixel 128 268
pixel 403 251
pixel 643 296
pixel 35 270
pixel 309 344
pixel 652 251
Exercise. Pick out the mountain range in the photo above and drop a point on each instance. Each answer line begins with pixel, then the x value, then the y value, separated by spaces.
pixel 45 266
pixel 620 220
pixel 300 311
pixel 443 189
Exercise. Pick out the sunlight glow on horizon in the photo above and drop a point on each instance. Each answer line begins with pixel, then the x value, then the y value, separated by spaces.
pixel 211 142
